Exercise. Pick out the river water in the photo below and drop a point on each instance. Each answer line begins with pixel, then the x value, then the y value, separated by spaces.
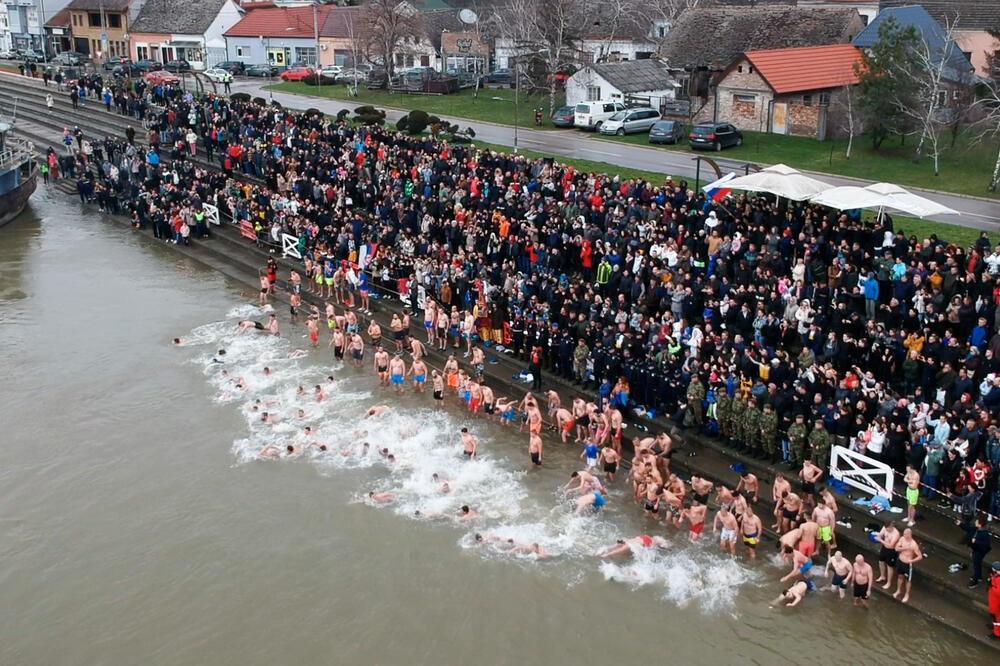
pixel 137 524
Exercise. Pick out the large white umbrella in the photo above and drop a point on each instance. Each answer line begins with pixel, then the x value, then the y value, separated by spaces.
pixel 881 196
pixel 782 180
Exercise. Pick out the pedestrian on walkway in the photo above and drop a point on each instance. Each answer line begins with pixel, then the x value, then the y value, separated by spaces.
pixel 49 102
pixel 74 100
pixel 980 544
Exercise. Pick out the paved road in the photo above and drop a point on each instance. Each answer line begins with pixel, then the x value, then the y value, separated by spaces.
pixel 975 212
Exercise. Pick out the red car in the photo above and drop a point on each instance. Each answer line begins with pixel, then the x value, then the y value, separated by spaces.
pixel 161 77
pixel 296 73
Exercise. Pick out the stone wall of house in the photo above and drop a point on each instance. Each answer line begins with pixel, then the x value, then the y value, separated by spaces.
pixel 743 98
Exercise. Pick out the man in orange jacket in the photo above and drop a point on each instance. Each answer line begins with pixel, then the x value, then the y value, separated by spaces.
pixel 995 598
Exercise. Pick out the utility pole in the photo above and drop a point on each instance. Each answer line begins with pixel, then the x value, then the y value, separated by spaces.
pixel 41 28
pixel 316 38
pixel 104 34
pixel 517 88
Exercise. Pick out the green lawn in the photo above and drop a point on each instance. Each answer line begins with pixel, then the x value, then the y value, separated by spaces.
pixel 964 170
pixel 464 104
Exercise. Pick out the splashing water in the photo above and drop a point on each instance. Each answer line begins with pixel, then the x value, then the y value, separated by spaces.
pixel 429 479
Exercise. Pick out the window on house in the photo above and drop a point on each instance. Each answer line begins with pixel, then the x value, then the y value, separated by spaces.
pixel 95 19
pixel 306 54
pixel 745 98
pixel 239 52
pixel 113 20
pixel 74 20
pixel 956 94
pixel 750 69
pixel 739 68
pixel 864 19
pixel 942 98
pixel 824 99
pixel 807 100
pixel 593 92
pixel 142 53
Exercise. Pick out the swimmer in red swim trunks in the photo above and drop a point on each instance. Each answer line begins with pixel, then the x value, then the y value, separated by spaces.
pixel 695 515
pixel 623 546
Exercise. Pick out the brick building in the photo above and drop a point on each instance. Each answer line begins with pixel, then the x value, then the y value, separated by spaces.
pixel 789 91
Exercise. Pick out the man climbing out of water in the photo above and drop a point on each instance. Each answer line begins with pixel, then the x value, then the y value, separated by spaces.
pixel 265 288
pixel 535 449
pixel 469 445
pixel 397 370
pixel 377 410
pixel 437 381
pixel 727 540
pixel 585 481
pixel 625 546
pixel 272 324
pixel 801 566
pixel 593 501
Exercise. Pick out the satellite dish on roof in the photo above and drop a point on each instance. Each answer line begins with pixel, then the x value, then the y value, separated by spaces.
pixel 467 16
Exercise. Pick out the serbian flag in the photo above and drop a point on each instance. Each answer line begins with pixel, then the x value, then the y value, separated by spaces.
pixel 718 190
pixel 366 253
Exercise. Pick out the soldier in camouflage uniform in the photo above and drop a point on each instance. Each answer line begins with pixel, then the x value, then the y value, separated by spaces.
pixel 751 428
pixel 769 432
pixel 695 396
pixel 737 419
pixel 797 434
pixel 723 414
pixel 819 445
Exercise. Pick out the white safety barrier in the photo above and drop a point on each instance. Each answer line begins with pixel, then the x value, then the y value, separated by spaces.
pixel 861 472
pixel 211 214
pixel 290 246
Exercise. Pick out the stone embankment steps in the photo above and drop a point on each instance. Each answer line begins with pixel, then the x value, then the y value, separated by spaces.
pixel 954 604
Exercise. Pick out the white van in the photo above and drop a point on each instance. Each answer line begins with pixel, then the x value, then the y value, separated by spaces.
pixel 591 115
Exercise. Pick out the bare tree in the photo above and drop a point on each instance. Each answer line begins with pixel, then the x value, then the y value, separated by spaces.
pixel 926 96
pixel 388 24
pixel 852 120
pixel 990 125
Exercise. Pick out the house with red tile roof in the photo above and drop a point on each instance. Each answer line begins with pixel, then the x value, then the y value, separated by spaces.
pixel 795 91
pixel 280 35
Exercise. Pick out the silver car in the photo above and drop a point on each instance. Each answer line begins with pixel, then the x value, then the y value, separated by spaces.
pixel 630 121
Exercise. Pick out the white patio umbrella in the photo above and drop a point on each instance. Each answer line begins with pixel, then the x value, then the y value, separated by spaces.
pixel 782 180
pixel 881 196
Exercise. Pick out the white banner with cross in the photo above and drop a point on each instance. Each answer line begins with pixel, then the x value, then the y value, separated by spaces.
pixel 211 214
pixel 860 471
pixel 290 246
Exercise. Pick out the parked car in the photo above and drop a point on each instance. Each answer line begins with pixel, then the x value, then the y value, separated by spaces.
pixel 352 76
pixel 128 69
pixel 262 69
pixel 234 66
pixel 715 136
pixel 296 73
pixel 148 66
pixel 31 55
pixel 70 58
pixel 113 61
pixel 667 131
pixel 630 121
pixel 591 115
pixel 177 66
pixel 563 116
pixel 216 74
pixel 499 77
pixel 161 77
pixel 331 71
pixel 7 54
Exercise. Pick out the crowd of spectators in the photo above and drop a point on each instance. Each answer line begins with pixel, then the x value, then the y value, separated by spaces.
pixel 735 317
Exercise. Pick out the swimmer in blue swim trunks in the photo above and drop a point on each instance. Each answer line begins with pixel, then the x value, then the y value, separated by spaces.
pixel 587 500
pixel 801 565
pixel 419 371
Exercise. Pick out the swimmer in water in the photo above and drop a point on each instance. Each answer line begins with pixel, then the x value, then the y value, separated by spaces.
pixel 593 501
pixel 625 546
pixel 273 451
pixel 177 341
pixel 320 393
pixel 465 513
pixel 377 410
pixel 529 549
pixel 248 324
pixel 298 353
pixel 793 595
pixel 380 497
pixel 221 352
